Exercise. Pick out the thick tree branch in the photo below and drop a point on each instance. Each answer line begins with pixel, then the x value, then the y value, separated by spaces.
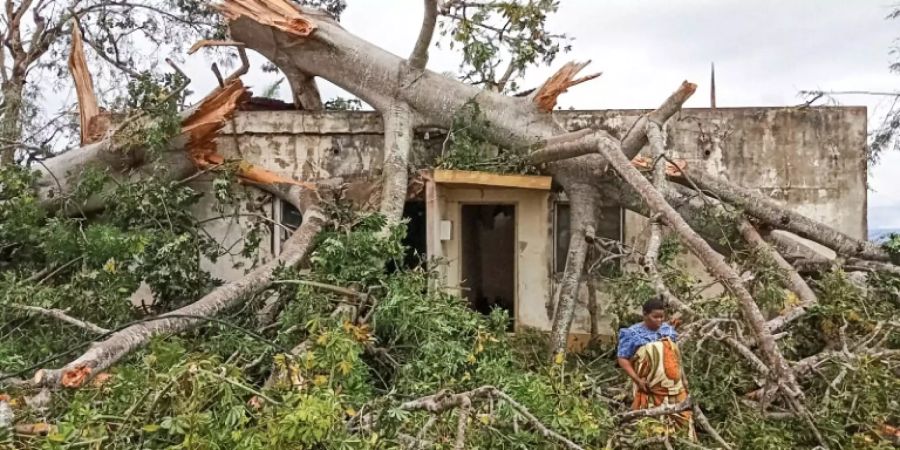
pixel 418 59
pixel 582 143
pixel 583 213
pixel 770 212
pixel 657 153
pixel 795 282
pixel 398 141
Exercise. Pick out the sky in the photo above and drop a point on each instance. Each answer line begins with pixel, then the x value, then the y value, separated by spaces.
pixel 765 53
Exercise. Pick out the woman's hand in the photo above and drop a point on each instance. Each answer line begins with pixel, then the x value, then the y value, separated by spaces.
pixel 643 386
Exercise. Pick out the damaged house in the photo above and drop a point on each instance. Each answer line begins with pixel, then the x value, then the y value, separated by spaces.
pixel 502 240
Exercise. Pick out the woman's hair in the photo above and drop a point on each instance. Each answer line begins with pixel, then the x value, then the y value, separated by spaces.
pixel 654 304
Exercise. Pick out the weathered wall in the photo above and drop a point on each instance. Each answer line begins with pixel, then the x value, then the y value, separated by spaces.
pixel 812 159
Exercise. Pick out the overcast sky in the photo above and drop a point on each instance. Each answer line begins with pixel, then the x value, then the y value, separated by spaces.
pixel 765 52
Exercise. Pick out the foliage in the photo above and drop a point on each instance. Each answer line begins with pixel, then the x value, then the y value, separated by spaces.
pixel 343 104
pixel 500 39
pixel 467 147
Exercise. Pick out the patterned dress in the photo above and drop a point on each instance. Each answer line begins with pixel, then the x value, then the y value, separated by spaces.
pixel 656 358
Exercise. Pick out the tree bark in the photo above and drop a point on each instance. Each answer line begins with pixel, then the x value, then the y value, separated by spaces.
pixel 11 120
pixel 398 137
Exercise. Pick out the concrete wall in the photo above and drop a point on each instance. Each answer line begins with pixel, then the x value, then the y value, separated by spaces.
pixel 812 159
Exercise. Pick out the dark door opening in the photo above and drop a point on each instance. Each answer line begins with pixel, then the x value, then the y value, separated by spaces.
pixel 415 241
pixel 488 234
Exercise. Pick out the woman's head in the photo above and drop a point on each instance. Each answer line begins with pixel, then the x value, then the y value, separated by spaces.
pixel 654 313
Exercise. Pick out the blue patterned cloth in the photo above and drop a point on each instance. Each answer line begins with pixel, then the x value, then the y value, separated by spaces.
pixel 637 335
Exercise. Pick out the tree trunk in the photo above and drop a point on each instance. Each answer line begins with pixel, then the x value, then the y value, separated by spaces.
pixel 11 120
pixel 398 137
pixel 583 213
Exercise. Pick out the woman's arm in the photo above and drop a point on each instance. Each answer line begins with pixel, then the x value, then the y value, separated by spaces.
pixel 625 364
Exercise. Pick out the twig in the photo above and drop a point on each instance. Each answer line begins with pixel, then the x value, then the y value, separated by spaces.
pixel 61 315
pixel 443 401
pixel 663 410
pixel 324 286
pixel 704 423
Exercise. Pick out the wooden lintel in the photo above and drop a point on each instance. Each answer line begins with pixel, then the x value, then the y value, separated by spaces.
pixel 465 178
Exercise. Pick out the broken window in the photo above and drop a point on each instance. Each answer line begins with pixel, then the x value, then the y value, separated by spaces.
pixel 287 219
pixel 609 226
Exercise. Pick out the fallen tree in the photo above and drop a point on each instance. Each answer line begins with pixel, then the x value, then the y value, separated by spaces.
pixel 335 355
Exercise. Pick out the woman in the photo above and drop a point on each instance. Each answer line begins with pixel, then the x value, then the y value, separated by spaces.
pixel 648 354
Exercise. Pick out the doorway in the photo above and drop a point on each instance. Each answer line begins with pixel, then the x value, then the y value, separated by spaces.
pixel 488 257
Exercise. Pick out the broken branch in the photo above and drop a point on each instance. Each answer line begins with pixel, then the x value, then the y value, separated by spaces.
pixel 564 78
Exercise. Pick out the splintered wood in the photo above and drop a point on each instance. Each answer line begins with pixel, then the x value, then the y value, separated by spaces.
pixel 560 82
pixel 204 124
pixel 94 123
pixel 275 13
pixel 672 170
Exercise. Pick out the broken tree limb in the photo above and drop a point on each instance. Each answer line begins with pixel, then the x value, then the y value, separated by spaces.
pixel 118 154
pixel 107 352
pixel 571 145
pixel 277 14
pixel 635 139
pixel 770 212
pixel 545 96
pixel 713 261
pixel 795 282
pixel 704 423
pixel 93 126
